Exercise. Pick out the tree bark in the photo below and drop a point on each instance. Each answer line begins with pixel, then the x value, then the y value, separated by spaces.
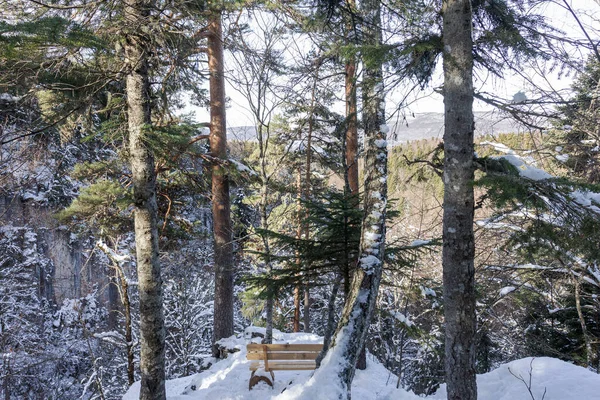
pixel 329 328
pixel 143 176
pixel 124 292
pixel 307 193
pixel 358 309
pixel 589 355
pixel 296 321
pixel 264 224
pixel 223 245
pixel 306 314
pixel 351 150
pixel 459 243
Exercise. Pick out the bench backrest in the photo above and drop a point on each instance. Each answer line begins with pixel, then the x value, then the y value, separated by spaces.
pixel 287 352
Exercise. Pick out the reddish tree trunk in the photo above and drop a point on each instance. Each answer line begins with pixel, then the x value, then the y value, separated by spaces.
pixel 351 129
pixel 223 245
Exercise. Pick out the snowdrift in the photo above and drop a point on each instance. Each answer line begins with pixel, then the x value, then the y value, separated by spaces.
pixel 525 379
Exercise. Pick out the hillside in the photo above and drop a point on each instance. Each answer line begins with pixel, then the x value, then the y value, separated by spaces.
pixel 416 127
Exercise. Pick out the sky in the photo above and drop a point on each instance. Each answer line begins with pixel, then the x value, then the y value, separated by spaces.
pixel 429 101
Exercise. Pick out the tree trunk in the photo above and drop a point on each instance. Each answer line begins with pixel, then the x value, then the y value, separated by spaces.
pixel 351 151
pixel 307 194
pixel 358 310
pixel 296 322
pixel 223 245
pixel 143 176
pixel 329 328
pixel 459 243
pixel 123 293
pixel 113 303
pixel 264 224
pixel 589 356
pixel 128 331
pixel 306 315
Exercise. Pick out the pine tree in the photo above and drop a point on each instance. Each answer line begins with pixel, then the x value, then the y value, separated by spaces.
pixel 221 205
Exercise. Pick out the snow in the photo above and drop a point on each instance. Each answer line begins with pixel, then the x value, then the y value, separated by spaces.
pixel 403 318
pixel 560 381
pixel 381 143
pixel 526 170
pixel 372 236
pixel 522 164
pixel 590 200
pixel 228 380
pixel 8 97
pixel 242 167
pixel 425 291
pixel 506 290
pixel 368 263
pixel 420 242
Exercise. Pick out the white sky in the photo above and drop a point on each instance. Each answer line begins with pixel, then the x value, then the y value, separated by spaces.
pixel 427 101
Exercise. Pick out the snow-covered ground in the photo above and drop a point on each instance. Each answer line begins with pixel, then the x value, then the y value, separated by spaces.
pixel 228 380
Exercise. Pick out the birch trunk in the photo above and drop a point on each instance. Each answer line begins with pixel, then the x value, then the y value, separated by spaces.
pixel 143 176
pixel 351 151
pixel 459 243
pixel 223 245
pixel 358 309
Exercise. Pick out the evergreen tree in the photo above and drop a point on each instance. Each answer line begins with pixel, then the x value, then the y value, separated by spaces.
pixel 139 109
pixel 459 242
pixel 221 205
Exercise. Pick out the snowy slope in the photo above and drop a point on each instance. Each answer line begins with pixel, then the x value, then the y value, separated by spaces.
pixel 228 380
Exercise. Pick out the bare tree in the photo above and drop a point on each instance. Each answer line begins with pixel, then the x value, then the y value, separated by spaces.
pixel 257 58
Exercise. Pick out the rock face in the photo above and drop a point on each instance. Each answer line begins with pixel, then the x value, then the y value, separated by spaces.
pixel 59 262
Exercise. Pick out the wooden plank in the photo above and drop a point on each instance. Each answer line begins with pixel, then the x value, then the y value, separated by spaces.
pixel 266 357
pixel 284 366
pixel 285 347
pixel 283 355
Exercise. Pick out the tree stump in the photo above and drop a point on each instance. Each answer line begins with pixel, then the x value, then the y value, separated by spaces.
pixel 255 379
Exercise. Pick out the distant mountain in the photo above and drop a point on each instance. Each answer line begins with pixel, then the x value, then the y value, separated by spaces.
pixel 419 126
pixel 242 133
pixel 431 125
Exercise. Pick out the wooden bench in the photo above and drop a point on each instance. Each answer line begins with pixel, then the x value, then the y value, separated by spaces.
pixel 280 357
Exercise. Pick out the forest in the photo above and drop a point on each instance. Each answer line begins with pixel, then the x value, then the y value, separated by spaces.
pixel 252 199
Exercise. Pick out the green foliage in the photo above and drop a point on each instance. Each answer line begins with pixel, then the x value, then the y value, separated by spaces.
pixel 414 163
pixel 577 131
pixel 28 37
pixel 417 57
pixel 333 221
pixel 103 206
